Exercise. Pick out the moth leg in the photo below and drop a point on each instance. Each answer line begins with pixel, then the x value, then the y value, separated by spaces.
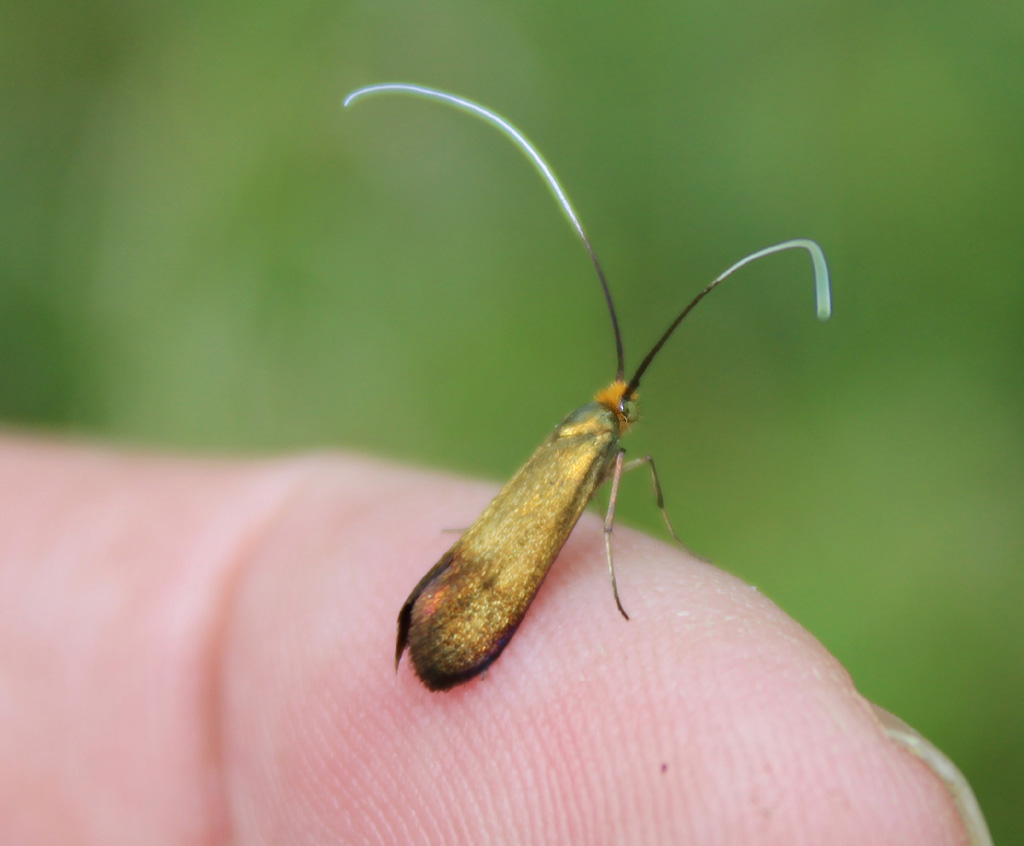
pixel 632 465
pixel 623 466
pixel 636 462
pixel 609 520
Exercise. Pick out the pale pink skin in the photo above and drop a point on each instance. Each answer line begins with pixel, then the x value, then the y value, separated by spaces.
pixel 197 651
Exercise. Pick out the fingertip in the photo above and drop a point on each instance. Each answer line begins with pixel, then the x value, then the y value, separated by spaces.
pixel 709 716
pixel 964 801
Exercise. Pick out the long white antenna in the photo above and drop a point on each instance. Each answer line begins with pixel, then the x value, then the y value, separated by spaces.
pixel 531 153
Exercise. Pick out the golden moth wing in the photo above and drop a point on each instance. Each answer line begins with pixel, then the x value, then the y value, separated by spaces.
pixel 465 609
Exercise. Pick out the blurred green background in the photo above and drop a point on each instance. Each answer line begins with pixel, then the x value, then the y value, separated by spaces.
pixel 200 251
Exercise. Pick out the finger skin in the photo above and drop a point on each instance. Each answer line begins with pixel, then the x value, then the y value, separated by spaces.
pixel 198 652
pixel 115 576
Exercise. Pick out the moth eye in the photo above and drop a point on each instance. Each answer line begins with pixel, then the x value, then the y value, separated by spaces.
pixel 629 410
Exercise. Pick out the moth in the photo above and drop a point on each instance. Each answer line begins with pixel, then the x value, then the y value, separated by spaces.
pixel 458 619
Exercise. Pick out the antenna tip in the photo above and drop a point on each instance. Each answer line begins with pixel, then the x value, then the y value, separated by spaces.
pixel 822 286
pixel 352 96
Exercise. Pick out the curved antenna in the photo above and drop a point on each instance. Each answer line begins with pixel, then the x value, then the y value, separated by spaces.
pixel 545 170
pixel 823 295
pixel 531 153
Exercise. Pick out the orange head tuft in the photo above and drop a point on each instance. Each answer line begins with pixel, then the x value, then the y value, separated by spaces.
pixel 617 397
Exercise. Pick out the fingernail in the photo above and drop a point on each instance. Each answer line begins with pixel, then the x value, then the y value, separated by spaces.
pixel 963 797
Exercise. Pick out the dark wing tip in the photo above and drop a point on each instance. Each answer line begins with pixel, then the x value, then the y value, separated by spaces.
pixel 436 679
pixel 405 615
pixel 439 672
pixel 404 618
